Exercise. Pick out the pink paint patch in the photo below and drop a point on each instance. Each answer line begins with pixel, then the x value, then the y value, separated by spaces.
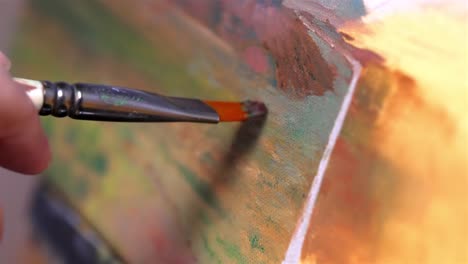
pixel 257 60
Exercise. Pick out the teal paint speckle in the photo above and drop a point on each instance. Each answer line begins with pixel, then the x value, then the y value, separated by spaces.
pixel 96 161
pixel 255 243
pixel 232 251
pixel 99 163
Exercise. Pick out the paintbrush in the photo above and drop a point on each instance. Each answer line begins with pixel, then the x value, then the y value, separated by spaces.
pixel 118 104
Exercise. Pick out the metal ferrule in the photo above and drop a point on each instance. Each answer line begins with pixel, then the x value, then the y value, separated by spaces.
pixel 118 104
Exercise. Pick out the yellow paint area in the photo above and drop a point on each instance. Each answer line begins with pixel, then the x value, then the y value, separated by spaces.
pixel 430 46
pixel 423 131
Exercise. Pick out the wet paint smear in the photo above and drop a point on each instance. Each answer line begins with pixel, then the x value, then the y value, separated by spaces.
pixel 299 67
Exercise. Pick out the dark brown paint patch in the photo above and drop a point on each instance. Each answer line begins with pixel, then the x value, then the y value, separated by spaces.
pixel 299 67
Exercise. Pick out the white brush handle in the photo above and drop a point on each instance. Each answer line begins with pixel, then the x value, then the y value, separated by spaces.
pixel 34 90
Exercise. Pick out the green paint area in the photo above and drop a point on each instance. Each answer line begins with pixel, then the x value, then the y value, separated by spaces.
pixel 96 161
pixel 211 253
pixel 201 187
pixel 96 31
pixel 255 242
pixel 86 141
pixel 232 251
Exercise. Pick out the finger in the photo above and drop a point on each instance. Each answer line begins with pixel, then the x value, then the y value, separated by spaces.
pixel 4 62
pixel 27 151
pixel 23 144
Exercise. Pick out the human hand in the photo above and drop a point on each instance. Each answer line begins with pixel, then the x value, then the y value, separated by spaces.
pixel 23 144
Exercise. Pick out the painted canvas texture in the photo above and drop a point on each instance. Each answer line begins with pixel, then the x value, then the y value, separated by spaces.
pixel 360 160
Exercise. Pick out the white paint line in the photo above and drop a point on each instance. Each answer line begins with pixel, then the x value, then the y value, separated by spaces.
pixel 294 251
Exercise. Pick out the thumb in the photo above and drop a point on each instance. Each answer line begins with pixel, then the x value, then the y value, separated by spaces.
pixel 23 144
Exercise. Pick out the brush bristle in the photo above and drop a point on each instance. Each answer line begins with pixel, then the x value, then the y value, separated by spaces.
pixel 254 109
pixel 235 111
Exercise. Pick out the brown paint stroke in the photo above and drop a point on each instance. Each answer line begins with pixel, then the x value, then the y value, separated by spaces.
pixel 300 68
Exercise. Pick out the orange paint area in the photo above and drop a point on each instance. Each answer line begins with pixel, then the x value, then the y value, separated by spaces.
pixel 396 190
pixel 228 111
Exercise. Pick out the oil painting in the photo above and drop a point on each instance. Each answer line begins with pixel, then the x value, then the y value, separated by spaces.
pixel 361 159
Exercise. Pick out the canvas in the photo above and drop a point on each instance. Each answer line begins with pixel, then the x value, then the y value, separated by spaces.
pixel 358 161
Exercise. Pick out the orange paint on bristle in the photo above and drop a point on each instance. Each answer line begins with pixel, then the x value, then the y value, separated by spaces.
pixel 228 111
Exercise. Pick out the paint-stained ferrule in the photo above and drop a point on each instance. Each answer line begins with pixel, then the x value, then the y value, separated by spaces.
pixel 118 104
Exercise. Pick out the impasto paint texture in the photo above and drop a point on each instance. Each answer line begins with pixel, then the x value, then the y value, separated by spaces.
pixel 362 158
